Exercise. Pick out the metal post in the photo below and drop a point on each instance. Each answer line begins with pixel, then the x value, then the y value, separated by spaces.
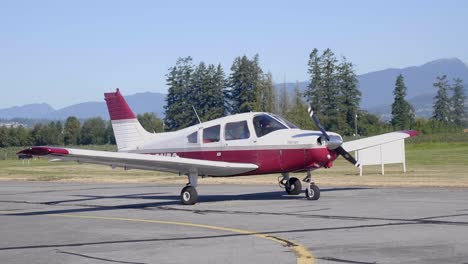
pixel 404 155
pixel 355 125
pixel 382 160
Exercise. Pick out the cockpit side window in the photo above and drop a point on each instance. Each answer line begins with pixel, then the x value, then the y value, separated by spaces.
pixel 211 134
pixel 193 138
pixel 236 130
pixel 265 124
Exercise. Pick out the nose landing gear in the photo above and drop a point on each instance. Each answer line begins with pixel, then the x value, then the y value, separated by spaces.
pixel 312 191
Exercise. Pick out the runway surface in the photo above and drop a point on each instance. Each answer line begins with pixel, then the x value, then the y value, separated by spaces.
pixel 44 222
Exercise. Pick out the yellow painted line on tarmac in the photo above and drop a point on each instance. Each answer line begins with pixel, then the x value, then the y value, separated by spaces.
pixel 303 255
pixel 7 212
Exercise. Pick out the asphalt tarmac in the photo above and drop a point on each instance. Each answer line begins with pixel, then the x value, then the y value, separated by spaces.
pixel 43 222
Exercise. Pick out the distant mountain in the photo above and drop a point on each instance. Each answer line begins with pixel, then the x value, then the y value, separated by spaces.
pixel 33 111
pixel 377 87
pixel 140 103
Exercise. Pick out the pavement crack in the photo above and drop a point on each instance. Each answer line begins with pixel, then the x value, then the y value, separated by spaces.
pixel 346 260
pixel 165 206
pixel 96 258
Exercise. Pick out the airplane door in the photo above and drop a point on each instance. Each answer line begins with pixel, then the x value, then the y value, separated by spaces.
pixel 239 143
pixel 211 143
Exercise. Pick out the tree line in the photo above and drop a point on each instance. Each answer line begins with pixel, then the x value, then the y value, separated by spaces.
pixel 333 92
pixel 73 132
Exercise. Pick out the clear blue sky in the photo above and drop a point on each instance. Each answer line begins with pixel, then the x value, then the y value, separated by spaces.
pixel 65 52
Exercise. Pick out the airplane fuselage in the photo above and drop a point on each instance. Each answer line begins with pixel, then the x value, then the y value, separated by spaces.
pixel 286 149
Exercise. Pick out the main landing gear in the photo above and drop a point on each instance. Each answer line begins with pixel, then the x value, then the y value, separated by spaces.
pixel 189 195
pixel 293 186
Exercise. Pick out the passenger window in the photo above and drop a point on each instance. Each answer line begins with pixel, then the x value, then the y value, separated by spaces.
pixel 265 124
pixel 211 134
pixel 236 130
pixel 193 138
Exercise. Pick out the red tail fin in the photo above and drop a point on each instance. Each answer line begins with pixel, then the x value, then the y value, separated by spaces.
pixel 117 106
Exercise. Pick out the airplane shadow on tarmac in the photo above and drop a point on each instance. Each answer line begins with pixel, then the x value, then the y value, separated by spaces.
pixel 162 199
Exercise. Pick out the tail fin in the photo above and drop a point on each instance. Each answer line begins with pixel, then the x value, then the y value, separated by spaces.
pixel 129 134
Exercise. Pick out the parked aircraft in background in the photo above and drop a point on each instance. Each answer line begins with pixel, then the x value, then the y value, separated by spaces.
pixel 236 145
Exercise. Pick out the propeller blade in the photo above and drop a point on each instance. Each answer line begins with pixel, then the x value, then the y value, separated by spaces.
pixel 317 122
pixel 347 156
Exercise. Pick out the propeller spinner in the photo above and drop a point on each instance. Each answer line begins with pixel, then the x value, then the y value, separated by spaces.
pixel 333 142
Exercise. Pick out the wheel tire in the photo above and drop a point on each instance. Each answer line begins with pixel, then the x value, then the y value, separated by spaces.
pixel 188 195
pixel 294 186
pixel 314 192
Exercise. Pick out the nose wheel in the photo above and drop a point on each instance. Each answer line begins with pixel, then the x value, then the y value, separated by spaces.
pixel 312 191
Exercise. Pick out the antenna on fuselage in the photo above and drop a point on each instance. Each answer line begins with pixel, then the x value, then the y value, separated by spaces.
pixel 195 110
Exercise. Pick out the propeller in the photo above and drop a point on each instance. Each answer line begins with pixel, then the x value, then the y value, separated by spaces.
pixel 334 143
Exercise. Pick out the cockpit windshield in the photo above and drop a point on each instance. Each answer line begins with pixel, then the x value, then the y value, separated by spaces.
pixel 265 124
pixel 284 120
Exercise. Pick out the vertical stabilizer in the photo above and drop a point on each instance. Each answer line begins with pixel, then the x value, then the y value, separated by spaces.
pixel 129 134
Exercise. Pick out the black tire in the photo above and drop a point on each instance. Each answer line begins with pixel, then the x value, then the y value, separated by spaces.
pixel 188 195
pixel 294 186
pixel 314 192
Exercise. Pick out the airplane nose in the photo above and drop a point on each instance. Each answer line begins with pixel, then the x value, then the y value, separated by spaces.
pixel 334 142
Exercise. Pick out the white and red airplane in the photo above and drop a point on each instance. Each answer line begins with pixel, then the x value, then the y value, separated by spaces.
pixel 238 145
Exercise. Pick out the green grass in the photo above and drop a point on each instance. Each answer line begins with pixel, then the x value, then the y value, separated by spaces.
pixel 428 164
pixel 438 154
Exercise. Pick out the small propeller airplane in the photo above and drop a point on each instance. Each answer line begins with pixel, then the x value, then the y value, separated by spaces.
pixel 237 145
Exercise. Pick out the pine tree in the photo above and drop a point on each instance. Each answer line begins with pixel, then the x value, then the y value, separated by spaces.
pixel 207 91
pixel 329 92
pixel 314 92
pixel 402 111
pixel 178 108
pixel 350 96
pixel 217 105
pixel 458 102
pixel 197 93
pixel 442 101
pixel 243 82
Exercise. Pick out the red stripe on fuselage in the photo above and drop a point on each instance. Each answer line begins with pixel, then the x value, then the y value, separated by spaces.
pixel 269 160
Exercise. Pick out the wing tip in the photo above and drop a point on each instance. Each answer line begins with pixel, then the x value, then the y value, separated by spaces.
pixel 42 151
pixel 411 133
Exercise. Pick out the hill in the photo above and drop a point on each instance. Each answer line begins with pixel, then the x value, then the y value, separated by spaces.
pixel 140 103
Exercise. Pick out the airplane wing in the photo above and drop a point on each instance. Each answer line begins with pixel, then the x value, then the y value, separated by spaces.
pixel 378 140
pixel 142 161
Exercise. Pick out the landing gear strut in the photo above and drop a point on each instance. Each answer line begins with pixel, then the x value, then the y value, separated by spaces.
pixel 189 195
pixel 292 185
pixel 312 191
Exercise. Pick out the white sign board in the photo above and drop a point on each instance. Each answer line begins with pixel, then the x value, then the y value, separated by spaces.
pixel 388 153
